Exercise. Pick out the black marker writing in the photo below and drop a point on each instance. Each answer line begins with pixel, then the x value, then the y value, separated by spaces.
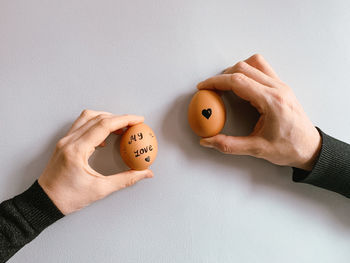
pixel 143 150
pixel 134 138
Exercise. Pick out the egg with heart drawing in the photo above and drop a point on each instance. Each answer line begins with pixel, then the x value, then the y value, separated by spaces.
pixel 138 147
pixel 206 113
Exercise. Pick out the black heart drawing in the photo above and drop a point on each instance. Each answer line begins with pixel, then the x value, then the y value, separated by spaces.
pixel 148 159
pixel 206 113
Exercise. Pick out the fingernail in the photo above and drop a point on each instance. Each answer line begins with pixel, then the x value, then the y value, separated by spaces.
pixel 205 143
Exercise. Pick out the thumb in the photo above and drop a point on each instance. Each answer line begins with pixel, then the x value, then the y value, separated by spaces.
pixel 127 178
pixel 237 145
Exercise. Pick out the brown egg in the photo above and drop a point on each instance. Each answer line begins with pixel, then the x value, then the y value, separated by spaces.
pixel 206 113
pixel 138 147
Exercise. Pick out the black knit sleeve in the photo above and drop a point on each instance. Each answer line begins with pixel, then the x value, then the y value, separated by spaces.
pixel 332 169
pixel 23 217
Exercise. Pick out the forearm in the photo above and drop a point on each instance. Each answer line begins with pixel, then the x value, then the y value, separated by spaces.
pixel 332 168
pixel 23 217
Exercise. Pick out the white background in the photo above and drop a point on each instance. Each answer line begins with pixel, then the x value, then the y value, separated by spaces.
pixel 145 57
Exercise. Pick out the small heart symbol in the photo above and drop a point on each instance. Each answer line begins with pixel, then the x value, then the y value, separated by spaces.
pixel 206 113
pixel 148 159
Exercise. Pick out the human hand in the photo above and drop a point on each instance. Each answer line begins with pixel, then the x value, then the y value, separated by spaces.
pixel 69 180
pixel 283 135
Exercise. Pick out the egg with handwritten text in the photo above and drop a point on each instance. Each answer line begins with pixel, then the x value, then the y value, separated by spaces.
pixel 206 113
pixel 138 147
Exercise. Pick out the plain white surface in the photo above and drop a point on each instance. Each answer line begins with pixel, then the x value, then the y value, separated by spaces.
pixel 145 57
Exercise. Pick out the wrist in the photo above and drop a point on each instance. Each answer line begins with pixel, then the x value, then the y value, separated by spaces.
pixel 312 151
pixel 37 208
pixel 62 205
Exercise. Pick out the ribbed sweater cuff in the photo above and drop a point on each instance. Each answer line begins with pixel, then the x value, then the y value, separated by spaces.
pixel 37 208
pixel 331 168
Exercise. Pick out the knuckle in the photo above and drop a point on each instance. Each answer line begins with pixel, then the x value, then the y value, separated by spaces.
pixel 256 151
pixel 237 77
pixel 70 151
pixel 131 182
pixel 99 117
pixel 68 155
pixel 258 57
pixel 60 144
pixel 278 97
pixel 241 66
pixel 103 123
pixel 86 113
pixel 223 146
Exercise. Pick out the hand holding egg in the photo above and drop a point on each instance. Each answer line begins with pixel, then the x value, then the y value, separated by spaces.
pixel 69 180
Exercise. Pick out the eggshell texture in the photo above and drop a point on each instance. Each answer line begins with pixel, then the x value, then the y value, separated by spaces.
pixel 138 147
pixel 206 113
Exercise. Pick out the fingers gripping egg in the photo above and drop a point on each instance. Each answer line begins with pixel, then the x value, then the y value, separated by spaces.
pixel 206 113
pixel 138 147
